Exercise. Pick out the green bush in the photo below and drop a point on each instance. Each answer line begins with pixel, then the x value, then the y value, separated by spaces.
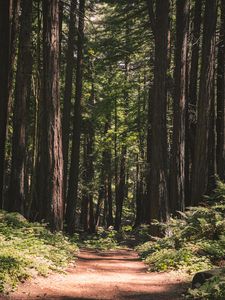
pixel 102 240
pixel 28 249
pixel 212 289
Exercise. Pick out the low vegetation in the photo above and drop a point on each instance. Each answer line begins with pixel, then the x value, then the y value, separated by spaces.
pixel 29 249
pixel 194 242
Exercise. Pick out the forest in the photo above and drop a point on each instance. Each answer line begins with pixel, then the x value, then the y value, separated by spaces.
pixel 112 138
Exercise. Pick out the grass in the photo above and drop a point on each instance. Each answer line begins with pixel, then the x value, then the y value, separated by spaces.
pixel 29 249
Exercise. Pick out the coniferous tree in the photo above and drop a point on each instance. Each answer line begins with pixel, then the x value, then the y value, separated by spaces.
pixel 201 151
pixel 50 165
pixel 220 122
pixel 70 62
pixel 177 164
pixel 5 26
pixel 157 150
pixel 75 152
pixel 24 64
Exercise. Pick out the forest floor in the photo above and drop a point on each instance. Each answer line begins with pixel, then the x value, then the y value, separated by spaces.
pixel 113 274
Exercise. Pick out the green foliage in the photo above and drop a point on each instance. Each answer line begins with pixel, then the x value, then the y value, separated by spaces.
pixel 194 242
pixel 28 249
pixel 212 289
pixel 172 259
pixel 102 240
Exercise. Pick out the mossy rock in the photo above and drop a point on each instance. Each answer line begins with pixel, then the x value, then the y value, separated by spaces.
pixel 201 277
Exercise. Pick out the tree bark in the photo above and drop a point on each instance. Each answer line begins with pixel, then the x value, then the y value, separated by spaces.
pixel 70 61
pixel 50 170
pixel 177 164
pixel 192 96
pixel 75 154
pixel 220 121
pixel 24 65
pixel 157 156
pixel 5 17
pixel 200 166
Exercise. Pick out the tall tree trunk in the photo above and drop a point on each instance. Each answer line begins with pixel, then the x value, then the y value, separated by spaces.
pixel 157 155
pixel 5 15
pixel 108 189
pixel 88 166
pixel 212 142
pixel 220 122
pixel 200 166
pixel 192 96
pixel 61 12
pixel 75 154
pixel 24 63
pixel 139 195
pixel 34 205
pixel 50 170
pixel 177 164
pixel 121 189
pixel 68 89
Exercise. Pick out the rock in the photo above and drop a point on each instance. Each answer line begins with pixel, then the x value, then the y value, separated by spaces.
pixel 201 277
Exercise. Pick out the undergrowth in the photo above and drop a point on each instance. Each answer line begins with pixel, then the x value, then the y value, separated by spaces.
pixel 101 240
pixel 212 289
pixel 194 242
pixel 28 249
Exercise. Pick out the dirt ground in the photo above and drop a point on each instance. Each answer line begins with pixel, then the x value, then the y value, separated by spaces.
pixel 100 275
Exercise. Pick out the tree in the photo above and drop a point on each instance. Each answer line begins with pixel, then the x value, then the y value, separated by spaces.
pixel 70 61
pixel 5 15
pixel 220 122
pixel 75 152
pixel 200 165
pixel 177 164
pixel 24 65
pixel 157 156
pixel 50 168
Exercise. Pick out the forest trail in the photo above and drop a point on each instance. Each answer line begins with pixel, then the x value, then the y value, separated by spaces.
pixel 117 274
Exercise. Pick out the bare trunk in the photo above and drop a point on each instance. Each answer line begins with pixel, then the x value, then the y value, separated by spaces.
pixel 5 15
pixel 220 122
pixel 75 153
pixel 200 166
pixel 177 164
pixel 157 156
pixel 24 65
pixel 50 169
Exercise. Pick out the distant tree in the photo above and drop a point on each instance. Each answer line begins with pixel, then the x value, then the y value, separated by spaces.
pixel 192 94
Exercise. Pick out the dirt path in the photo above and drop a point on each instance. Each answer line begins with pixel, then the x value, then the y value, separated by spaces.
pixel 115 275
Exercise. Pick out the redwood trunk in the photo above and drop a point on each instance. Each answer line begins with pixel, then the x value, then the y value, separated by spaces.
pixel 5 10
pixel 24 63
pixel 157 156
pixel 68 89
pixel 177 165
pixel 50 175
pixel 75 153
pixel 200 166
pixel 220 122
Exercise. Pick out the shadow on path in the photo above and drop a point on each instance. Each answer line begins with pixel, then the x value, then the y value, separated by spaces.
pixel 118 275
